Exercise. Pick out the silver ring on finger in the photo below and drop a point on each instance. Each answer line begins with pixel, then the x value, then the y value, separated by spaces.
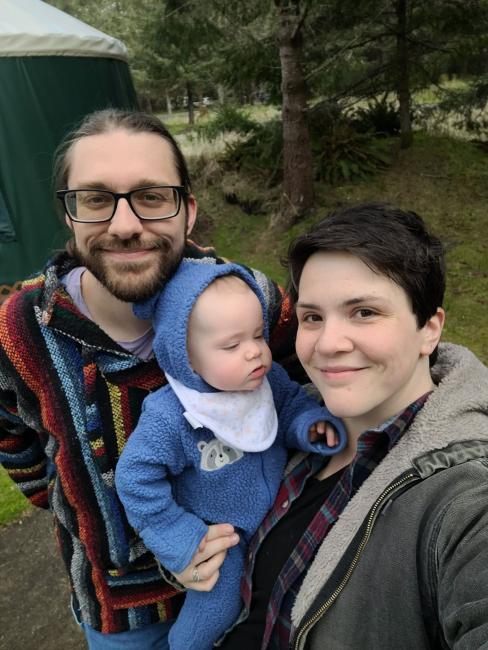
pixel 195 576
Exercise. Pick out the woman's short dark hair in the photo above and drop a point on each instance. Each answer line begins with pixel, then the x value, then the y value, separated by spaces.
pixel 389 241
pixel 111 119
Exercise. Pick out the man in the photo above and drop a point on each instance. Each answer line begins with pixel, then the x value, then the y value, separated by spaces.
pixel 76 364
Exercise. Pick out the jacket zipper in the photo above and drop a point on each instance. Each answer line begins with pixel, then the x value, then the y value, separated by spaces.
pixel 369 526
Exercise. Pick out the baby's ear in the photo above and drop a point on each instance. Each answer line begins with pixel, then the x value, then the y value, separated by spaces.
pixel 147 308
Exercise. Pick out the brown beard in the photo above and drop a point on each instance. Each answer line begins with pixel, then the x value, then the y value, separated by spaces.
pixel 131 281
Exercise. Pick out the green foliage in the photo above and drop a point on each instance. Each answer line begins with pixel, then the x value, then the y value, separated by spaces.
pixel 340 152
pixel 228 47
pixel 12 502
pixel 470 102
pixel 380 117
pixel 226 119
pixel 260 154
pixel 343 154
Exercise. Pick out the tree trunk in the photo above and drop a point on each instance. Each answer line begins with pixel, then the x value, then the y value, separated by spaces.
pixel 221 93
pixel 169 108
pixel 406 134
pixel 191 108
pixel 297 155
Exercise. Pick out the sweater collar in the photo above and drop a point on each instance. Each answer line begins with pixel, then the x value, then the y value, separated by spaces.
pixel 55 309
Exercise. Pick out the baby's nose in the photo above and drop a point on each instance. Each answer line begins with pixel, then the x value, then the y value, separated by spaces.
pixel 253 351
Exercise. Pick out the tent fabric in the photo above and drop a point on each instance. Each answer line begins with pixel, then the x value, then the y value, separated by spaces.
pixel 7 233
pixel 41 99
pixel 34 28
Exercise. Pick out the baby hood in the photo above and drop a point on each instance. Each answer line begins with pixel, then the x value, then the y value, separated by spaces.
pixel 170 310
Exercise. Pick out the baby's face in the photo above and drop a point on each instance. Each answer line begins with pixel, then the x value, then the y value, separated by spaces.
pixel 226 345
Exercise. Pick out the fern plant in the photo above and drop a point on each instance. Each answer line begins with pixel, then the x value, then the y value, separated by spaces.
pixel 226 119
pixel 344 154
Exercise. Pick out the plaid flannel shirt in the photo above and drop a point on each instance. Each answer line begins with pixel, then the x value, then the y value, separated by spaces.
pixel 373 445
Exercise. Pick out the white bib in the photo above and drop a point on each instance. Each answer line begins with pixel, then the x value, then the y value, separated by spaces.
pixel 244 420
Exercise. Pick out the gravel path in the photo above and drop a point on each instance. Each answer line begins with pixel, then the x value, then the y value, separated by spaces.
pixel 34 593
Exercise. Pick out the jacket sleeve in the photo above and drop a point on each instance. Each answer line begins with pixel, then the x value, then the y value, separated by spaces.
pixel 298 411
pixel 21 449
pixel 461 564
pixel 152 453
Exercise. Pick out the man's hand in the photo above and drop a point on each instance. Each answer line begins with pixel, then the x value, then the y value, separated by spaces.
pixel 324 428
pixel 203 571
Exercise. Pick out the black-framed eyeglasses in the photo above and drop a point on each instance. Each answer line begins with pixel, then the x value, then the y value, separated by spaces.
pixel 147 203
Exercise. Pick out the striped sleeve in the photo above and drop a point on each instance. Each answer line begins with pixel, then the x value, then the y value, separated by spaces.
pixel 21 451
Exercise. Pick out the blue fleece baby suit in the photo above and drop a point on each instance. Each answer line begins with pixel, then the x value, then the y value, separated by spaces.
pixel 174 479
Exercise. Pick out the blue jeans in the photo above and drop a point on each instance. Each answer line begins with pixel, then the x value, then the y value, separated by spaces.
pixel 151 637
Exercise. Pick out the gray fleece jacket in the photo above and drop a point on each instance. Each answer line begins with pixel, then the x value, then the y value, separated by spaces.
pixel 406 564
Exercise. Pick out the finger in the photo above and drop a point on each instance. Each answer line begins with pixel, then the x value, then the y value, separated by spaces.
pixel 204 585
pixel 219 530
pixel 215 545
pixel 331 436
pixel 321 427
pixel 207 569
pixel 208 573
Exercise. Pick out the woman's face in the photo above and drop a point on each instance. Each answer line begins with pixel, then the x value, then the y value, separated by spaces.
pixel 359 342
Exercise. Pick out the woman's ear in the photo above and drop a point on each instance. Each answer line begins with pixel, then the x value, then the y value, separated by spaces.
pixel 432 331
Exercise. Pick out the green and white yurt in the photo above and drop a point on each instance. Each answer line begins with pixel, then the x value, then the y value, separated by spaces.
pixel 54 69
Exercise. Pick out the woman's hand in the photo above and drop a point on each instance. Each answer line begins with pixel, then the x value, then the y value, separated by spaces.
pixel 203 571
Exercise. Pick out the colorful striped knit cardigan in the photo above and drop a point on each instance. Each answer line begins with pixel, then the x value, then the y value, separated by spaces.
pixel 69 399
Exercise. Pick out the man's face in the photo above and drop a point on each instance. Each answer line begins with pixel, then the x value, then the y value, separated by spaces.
pixel 359 342
pixel 130 257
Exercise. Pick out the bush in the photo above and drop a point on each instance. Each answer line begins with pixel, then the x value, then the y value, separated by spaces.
pixel 344 154
pixel 260 154
pixel 380 117
pixel 339 151
pixel 226 119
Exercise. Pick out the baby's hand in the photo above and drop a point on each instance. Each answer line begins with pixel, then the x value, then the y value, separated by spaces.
pixel 324 428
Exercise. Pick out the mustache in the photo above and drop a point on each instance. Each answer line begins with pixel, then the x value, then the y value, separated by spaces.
pixel 135 243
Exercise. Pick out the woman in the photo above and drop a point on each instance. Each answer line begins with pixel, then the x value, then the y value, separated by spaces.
pixel 385 544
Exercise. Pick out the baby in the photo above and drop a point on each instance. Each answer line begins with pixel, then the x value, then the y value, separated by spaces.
pixel 211 447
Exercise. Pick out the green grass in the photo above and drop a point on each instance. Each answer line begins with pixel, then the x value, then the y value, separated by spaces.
pixel 433 93
pixel 12 503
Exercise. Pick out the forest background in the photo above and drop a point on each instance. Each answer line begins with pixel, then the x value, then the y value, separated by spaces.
pixel 289 109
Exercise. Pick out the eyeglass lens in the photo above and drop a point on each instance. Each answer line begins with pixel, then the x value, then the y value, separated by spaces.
pixel 147 203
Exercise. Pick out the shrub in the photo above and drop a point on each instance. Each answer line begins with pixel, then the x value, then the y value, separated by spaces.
pixel 259 154
pixel 344 154
pixel 339 151
pixel 380 117
pixel 226 119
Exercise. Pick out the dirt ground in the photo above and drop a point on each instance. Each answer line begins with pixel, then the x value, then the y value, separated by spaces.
pixel 34 594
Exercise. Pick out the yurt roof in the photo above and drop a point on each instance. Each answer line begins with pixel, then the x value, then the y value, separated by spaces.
pixel 34 28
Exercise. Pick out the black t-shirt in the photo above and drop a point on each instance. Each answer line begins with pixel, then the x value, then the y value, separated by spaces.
pixel 272 556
